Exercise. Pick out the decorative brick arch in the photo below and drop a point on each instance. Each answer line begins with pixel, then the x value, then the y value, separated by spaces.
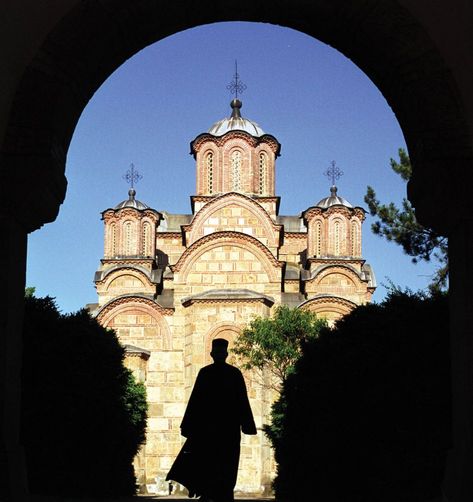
pixel 126 303
pixel 115 273
pixel 327 303
pixel 350 274
pixel 226 330
pixel 196 227
pixel 271 265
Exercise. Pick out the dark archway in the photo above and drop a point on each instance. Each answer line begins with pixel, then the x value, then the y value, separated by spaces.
pixel 95 38
pixel 383 38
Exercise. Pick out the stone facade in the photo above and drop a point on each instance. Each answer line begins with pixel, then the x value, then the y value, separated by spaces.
pixel 169 284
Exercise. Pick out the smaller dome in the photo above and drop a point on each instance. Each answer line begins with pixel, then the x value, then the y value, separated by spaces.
pixel 132 202
pixel 235 123
pixel 333 200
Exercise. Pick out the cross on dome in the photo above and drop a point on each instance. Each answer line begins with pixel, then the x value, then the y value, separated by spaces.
pixel 132 176
pixel 236 85
pixel 333 173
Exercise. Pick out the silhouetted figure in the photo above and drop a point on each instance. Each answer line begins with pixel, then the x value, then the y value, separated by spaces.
pixel 217 411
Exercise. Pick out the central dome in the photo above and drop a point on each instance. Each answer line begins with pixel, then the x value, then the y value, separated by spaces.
pixel 235 123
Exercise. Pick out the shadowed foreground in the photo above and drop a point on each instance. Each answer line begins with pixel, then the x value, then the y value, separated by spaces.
pixel 144 498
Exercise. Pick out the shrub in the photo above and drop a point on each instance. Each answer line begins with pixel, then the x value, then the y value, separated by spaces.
pixel 366 414
pixel 83 415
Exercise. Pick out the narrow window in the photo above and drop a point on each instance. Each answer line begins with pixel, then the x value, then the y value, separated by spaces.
pixel 146 239
pixel 236 170
pixel 263 168
pixel 209 161
pixel 318 238
pixel 113 240
pixel 128 244
pixel 354 239
pixel 336 236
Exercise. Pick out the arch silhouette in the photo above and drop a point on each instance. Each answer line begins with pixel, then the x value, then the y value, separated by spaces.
pixel 87 45
pixel 76 45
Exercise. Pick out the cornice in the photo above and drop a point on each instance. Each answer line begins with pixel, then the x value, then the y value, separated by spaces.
pixel 228 296
pixel 219 141
pixel 295 235
pixel 128 260
pixel 349 212
pixel 335 267
pixel 132 299
pixel 321 299
pixel 153 276
pixel 335 261
pixel 139 214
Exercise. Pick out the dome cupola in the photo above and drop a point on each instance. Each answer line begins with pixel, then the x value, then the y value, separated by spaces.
pixel 333 200
pixel 235 123
pixel 131 202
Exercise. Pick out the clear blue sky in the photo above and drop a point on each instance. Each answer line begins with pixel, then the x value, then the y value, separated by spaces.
pixel 314 100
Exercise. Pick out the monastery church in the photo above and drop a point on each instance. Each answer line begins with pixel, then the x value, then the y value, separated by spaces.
pixel 170 283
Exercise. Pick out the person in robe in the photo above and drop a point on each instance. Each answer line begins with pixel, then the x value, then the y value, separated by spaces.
pixel 217 412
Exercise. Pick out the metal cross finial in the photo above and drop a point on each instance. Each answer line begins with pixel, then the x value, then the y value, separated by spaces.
pixel 236 86
pixel 333 172
pixel 132 176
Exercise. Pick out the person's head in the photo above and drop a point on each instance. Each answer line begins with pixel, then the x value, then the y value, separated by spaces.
pixel 219 350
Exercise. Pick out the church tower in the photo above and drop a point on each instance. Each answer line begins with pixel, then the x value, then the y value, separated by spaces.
pixel 169 284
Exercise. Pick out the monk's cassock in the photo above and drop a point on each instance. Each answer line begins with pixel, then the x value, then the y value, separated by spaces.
pixel 217 410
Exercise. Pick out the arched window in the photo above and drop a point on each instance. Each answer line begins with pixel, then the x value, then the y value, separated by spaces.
pixel 336 237
pixel 355 239
pixel 318 238
pixel 236 170
pixel 112 242
pixel 128 237
pixel 209 164
pixel 146 239
pixel 263 173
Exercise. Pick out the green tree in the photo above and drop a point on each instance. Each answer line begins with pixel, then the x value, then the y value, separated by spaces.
pixel 273 344
pixel 30 291
pixel 83 414
pixel 400 226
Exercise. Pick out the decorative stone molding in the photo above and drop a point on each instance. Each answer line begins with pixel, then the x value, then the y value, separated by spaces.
pixel 104 277
pixel 219 141
pixel 133 351
pixel 346 270
pixel 272 229
pixel 113 306
pixel 228 296
pixel 336 304
pixel 235 238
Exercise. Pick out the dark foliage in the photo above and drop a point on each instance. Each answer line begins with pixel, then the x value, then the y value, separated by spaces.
pixel 400 225
pixel 83 415
pixel 366 415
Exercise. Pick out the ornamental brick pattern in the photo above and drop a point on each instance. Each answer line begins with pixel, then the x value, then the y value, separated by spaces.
pixel 169 284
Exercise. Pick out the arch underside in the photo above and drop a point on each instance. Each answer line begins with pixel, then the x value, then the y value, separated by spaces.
pixel 89 43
